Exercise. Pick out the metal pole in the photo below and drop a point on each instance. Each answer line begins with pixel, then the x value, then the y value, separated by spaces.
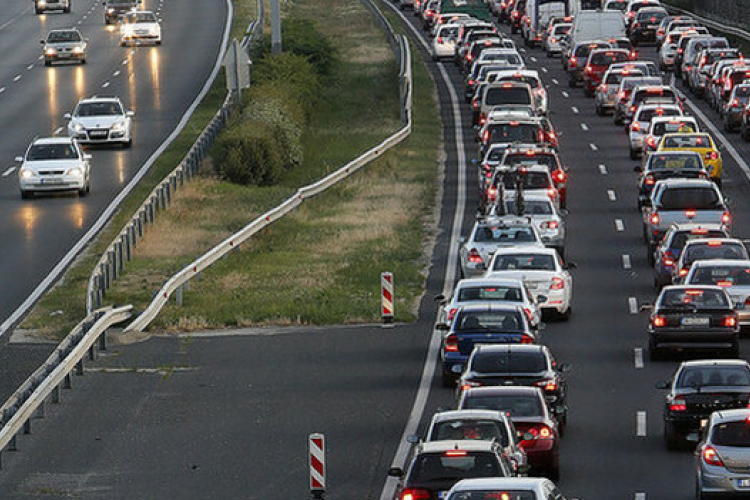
pixel 275 27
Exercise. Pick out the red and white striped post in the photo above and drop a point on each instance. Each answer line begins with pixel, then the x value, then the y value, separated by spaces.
pixel 386 287
pixel 317 465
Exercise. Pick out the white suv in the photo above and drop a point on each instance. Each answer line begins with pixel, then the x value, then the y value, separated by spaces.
pixel 101 120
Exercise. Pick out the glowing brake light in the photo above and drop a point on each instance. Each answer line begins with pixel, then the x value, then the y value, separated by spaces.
pixel 541 432
pixel 726 218
pixel 651 142
pixel 683 272
pixel 714 243
pixel 711 457
pixel 655 219
pixel 660 321
pixel 724 283
pixel 712 155
pixel 730 321
pixel 636 127
pixel 550 224
pixel 668 259
pixel 475 257
pixel 451 313
pixel 455 453
pixel 649 180
pixel 678 404
pixel 548 385
pixel 559 175
pixel 526 339
pixel 451 343
pixel 690 214
pixel 415 494
pixel 557 284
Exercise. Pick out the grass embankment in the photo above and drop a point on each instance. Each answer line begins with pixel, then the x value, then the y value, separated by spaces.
pixel 321 264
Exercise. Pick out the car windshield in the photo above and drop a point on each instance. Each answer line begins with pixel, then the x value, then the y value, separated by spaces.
pixel 688 141
pixel 530 262
pixel 561 29
pixel 514 132
pixel 732 434
pixel 630 82
pixel 722 276
pixel 532 81
pixel 489 293
pixel 682 237
pixel 497 96
pixel 485 430
pixel 63 37
pixel 615 77
pixel 670 162
pixel 646 115
pixel 447 466
pixel 500 234
pixel 488 320
pixel 64 151
pixel 495 494
pixel 546 159
pixel 694 297
pixel 449 32
pixel 142 17
pixel 696 198
pixel 510 58
pixel 516 405
pixel 530 207
pixel 698 376
pixel 509 362
pixel 106 108
pixel 742 91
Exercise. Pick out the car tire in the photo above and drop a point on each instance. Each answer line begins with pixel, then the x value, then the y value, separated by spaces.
pixel 571 82
pixel 654 354
pixel 598 109
pixel 699 493
pixel 47 63
pixel 618 118
pixel 158 43
pixel 83 61
pixel 127 143
pixel 633 154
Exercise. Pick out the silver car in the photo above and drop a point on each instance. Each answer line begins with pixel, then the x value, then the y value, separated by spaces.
pixel 64 45
pixel 54 164
pixel 722 459
pixel 732 275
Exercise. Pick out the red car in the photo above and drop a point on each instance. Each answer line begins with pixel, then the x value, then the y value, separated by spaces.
pixel 597 64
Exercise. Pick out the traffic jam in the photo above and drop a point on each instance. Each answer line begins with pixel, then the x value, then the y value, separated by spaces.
pixel 502 437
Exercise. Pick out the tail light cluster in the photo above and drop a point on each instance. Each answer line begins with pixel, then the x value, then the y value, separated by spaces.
pixel 527 339
pixel 655 219
pixel 559 176
pixel 540 432
pixel 549 224
pixel 649 180
pixel 678 404
pixel 475 257
pixel 712 155
pixel 451 343
pixel 668 259
pixel 557 284
pixel 636 126
pixel 659 321
pixel 729 321
pixel 711 456
pixel 547 385
pixel 415 494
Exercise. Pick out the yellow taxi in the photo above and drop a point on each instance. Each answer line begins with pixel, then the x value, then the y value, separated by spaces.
pixel 701 143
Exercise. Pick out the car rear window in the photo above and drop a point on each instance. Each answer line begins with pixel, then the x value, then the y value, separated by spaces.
pixel 687 141
pixel 530 180
pixel 489 293
pixel 722 275
pixel 546 159
pixel 607 58
pixel 493 494
pixel 698 376
pixel 697 198
pixel 646 115
pixel 497 96
pixel 679 239
pixel 514 132
pixel 489 320
pixel 516 405
pixel 485 430
pixel 530 262
pixel 509 362
pixel 697 297
pixel 672 162
pixel 499 234
pixel 670 127
pixel 735 434
pixel 429 467
pixel 534 207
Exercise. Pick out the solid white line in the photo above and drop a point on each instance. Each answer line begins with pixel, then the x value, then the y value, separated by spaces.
pixel 593 147
pixel 603 169
pixel 638 357
pixel 640 424
pixel 619 225
pixel 632 305
pixel 575 110
pixel 611 195
pixel 565 94
pixel 584 127
pixel 9 171
pixel 555 82
pixel 626 264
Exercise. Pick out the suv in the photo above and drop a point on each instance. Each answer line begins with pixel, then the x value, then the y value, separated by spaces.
pixel 64 45
pixel 41 6
pixel 114 10
pixel 101 120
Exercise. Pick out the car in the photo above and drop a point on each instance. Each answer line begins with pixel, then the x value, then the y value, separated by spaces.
pixel 666 165
pixel 64 45
pixel 499 94
pixel 735 107
pixel 543 212
pixel 699 388
pixel 698 78
pixel 138 27
pixel 646 23
pixel 624 91
pixel 552 45
pixel 517 488
pixel 661 94
pixel 101 120
pixel 543 272
pixel 527 365
pixel 512 128
pixel 642 120
pixel 42 6
pixel 575 61
pixel 700 142
pixel 668 253
pixel 693 317
pixel 54 164
pixel 596 65
pixel 733 275
pixel 539 155
pixel 444 42
pixel 438 465
pixel 722 455
pixel 476 290
pixel 530 76
pixel 478 424
pixel 668 49
pixel 490 234
pixel 115 9
pixel 606 92
pixel 707 249
pixel 661 125
pixel 532 179
pixel 527 408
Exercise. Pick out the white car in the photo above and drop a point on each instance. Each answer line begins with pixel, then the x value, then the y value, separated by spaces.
pixel 475 290
pixel 661 125
pixel 543 272
pixel 444 43
pixel 141 26
pixel 512 488
pixel 641 122
pixel 101 120
pixel 552 45
pixel 54 164
pixel 605 95
pixel 544 214
pixel 64 45
pixel 732 275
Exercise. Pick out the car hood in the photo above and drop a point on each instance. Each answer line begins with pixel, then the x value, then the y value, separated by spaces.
pixel 46 165
pixel 98 121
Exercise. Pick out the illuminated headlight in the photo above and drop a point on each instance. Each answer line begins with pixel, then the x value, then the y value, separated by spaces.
pixel 42 3
pixel 78 50
pixel 77 127
pixel 110 11
pixel 50 51
pixel 75 172
pixel 26 173
pixel 127 31
pixel 118 127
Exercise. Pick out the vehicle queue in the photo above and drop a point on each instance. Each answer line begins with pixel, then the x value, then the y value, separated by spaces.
pixel 510 390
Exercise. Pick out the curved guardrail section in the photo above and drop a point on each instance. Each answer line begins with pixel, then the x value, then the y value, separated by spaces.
pixel 28 400
pixel 120 250
pixel 725 28
pixel 402 50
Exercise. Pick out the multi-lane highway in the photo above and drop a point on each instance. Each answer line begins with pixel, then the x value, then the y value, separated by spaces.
pixel 228 417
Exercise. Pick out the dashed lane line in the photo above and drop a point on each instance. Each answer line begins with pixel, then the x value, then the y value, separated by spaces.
pixel 565 94
pixel 575 110
pixel 603 169
pixel 611 195
pixel 619 225
pixel 640 424
pixel 584 127
pixel 638 358
pixel 626 264
pixel 632 305
pixel 594 147
pixel 9 171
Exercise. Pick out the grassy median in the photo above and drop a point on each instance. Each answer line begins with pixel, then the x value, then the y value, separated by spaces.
pixel 322 264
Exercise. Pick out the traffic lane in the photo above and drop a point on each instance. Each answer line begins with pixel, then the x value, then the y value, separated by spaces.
pixel 218 417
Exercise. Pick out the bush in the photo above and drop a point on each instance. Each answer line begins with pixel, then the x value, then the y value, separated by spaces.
pixel 250 153
pixel 300 37
pixel 290 77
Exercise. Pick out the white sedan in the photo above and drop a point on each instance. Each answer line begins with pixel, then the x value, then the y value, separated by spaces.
pixel 101 120
pixel 543 272
pixel 732 275
pixel 141 26
pixel 54 164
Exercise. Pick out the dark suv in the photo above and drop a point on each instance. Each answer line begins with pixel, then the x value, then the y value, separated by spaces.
pixel 115 9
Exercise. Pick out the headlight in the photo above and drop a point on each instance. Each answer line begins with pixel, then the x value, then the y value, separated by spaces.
pixel 50 51
pixel 77 127
pixel 75 171
pixel 26 173
pixel 78 50
pixel 42 3
pixel 110 11
pixel 118 127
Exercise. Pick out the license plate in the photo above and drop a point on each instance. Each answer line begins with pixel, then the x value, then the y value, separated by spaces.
pixel 743 483
pixel 51 181
pixel 704 422
pixel 98 134
pixel 696 321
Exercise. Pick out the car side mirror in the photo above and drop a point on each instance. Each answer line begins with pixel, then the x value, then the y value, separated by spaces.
pixel 440 298
pixel 560 409
pixel 67 116
pixel 564 367
pixel 638 169
pixel 571 265
pixel 412 438
pixel 42 42
pixel 396 472
pixel 442 327
pixel 662 384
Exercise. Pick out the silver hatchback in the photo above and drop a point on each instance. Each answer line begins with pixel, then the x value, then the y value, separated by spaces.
pixel 722 459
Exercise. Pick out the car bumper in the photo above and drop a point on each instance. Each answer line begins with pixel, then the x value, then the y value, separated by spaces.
pixel 541 454
pixel 140 39
pixel 65 56
pixel 714 168
pixel 734 117
pixel 685 339
pixel 636 141
pixel 443 50
pixel 114 137
pixel 57 183
pixel 720 480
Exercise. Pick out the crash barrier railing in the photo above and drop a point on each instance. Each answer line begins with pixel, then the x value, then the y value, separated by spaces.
pixel 180 281
pixel 723 27
pixel 120 250
pixel 29 399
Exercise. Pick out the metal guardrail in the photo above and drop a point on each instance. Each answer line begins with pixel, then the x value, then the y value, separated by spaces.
pixel 120 250
pixel 179 281
pixel 29 399
pixel 725 28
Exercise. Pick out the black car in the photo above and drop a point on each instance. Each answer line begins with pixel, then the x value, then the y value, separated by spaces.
pixel 699 388
pixel 695 317
pixel 507 364
pixel 668 253
pixel 665 165
pixel 116 9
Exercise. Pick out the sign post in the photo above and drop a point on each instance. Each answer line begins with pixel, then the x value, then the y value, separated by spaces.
pixel 317 466
pixel 237 65
pixel 386 287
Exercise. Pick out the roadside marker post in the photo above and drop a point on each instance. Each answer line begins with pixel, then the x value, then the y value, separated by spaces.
pixel 386 286
pixel 317 459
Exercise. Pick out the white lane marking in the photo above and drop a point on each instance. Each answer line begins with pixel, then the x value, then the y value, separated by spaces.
pixel 594 147
pixel 30 66
pixel 40 58
pixel 640 424
pixel 533 59
pixel 611 195
pixel 544 70
pixel 575 110
pixel 555 81
pixel 603 169
pixel 125 62
pixel 105 85
pixel 116 73
pixel 565 94
pixel 9 171
pixel 638 358
pixel 626 264
pixel 57 131
pixel 2 89
pixel 619 225
pixel 522 50
pixel 632 305
pixel 584 127
pixel 640 496
pixel 16 78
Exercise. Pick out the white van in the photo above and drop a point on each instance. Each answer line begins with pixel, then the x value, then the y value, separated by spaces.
pixel 597 25
pixel 537 17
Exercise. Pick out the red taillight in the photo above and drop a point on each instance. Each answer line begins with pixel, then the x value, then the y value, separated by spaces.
pixel 451 343
pixel 475 257
pixel 486 135
pixel 452 313
pixel 440 39
pixel 678 404
pixel 651 142
pixel 552 39
pixel 632 109
pixel 541 432
pixel 603 87
pixel 527 339
pixel 550 224
pixel 690 214
pixel 735 103
pixel 588 70
pixel 660 321
pixel 730 321
pixel 529 316
pixel 415 494
pixel 655 219
pixel 636 127
pixel 667 259
pixel 683 272
pixel 547 385
pixel 649 180
pixel 712 155
pixel 559 176
pixel 726 218
pixel 491 194
pixel 711 457
pixel 552 193
pixel 557 284
pixel 472 83
pixel 572 61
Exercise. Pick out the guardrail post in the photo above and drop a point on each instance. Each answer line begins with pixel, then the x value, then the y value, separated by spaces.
pixel 79 368
pixel 103 341
pixel 13 445
pixel 56 394
pixel 112 258
pixel 141 220
pixel 168 188
pixel 120 260
pixel 127 243
pixel 186 286
pixel 67 382
pixel 40 411
pixel 27 426
pixel 178 296
pixel 92 353
pixel 105 275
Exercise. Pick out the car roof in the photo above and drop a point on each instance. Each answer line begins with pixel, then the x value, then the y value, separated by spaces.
pixel 704 241
pixel 53 140
pixel 721 262
pixel 505 483
pixel 714 362
pixel 526 249
pixel 510 347
pixel 443 416
pixel 679 182
pixel 690 287
pixel 490 306
pixel 504 389
pixel 463 444
pixel 729 415
pixel 488 281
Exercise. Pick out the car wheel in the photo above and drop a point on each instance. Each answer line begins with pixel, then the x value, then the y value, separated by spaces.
pixel 565 315
pixel 571 82
pixel 25 195
pixel 66 10
pixel 83 61
pixel 699 493
pixel 618 118
pixel 158 42
pixel 127 143
pixel 654 354
pixel 37 11
pixel 599 110
pixel 47 63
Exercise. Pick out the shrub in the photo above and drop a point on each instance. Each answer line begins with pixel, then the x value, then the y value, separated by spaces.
pixel 291 78
pixel 300 37
pixel 250 153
